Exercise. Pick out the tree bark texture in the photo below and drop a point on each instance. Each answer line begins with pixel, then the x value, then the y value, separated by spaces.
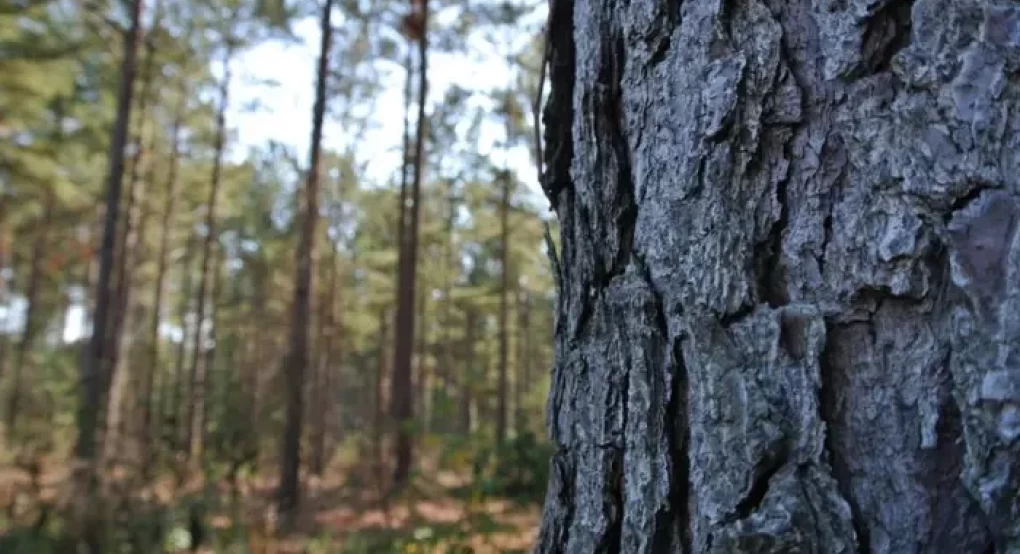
pixel 789 276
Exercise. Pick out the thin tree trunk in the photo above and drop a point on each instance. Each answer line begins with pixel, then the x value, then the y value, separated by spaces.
pixel 402 398
pixel 422 384
pixel 201 432
pixel 326 366
pixel 179 423
pixel 504 307
pixel 196 380
pixel 297 360
pixel 520 360
pixel 465 376
pixel 95 377
pixel 125 315
pixel 380 380
pixel 795 333
pixel 405 174
pixel 158 291
pixel 445 370
pixel 6 288
pixel 31 324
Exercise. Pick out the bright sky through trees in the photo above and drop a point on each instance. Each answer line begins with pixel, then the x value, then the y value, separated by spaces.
pixel 274 77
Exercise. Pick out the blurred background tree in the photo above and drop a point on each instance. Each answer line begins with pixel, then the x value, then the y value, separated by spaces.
pixel 157 168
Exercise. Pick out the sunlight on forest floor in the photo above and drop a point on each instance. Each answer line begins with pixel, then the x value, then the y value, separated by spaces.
pixel 341 513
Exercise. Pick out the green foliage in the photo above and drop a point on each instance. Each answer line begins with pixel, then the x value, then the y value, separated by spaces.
pixel 61 63
pixel 517 469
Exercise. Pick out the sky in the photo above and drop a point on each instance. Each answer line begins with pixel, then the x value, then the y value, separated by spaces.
pixel 286 108
pixel 286 117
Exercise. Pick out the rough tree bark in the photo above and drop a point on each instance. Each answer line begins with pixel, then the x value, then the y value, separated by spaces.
pixel 789 276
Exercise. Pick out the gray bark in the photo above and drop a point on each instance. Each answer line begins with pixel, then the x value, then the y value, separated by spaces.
pixel 789 277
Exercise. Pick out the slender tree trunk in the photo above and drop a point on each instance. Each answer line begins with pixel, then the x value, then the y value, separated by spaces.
pixel 297 360
pixel 380 381
pixel 125 314
pixel 31 324
pixel 470 359
pixel 6 288
pixel 402 398
pixel 444 373
pixel 159 290
pixel 326 365
pixel 504 306
pixel 196 381
pixel 178 421
pixel 796 332
pixel 405 167
pixel 423 381
pixel 520 359
pixel 201 431
pixel 95 377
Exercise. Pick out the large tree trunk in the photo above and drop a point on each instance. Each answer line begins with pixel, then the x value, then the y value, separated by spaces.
pixel 297 360
pixel 786 320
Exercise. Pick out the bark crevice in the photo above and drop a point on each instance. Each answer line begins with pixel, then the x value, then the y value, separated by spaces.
pixel 828 409
pixel 679 433
pixel 886 33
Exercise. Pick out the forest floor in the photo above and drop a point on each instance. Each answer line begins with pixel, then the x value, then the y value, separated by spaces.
pixel 341 512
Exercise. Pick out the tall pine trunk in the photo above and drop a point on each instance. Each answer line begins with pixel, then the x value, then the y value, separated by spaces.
pixel 297 360
pixel 788 268
pixel 469 357
pixel 402 399
pixel 95 374
pixel 176 415
pixel 126 313
pixel 504 305
pixel 196 380
pixel 209 354
pixel 151 426
pixel 326 365
pixel 422 382
pixel 380 391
